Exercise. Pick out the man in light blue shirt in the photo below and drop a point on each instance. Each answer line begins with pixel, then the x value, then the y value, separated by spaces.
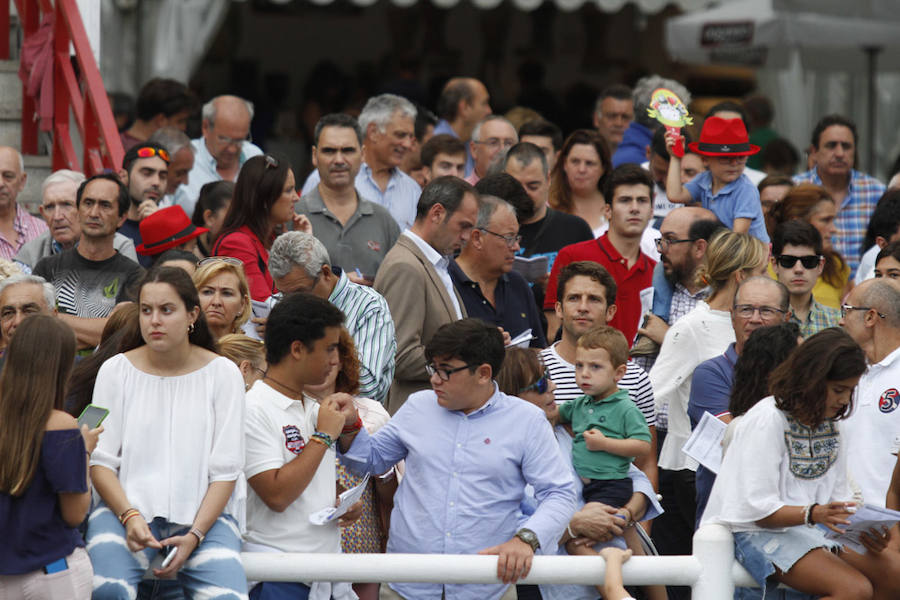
pixel 467 467
pixel 387 124
pixel 463 103
pixel 223 148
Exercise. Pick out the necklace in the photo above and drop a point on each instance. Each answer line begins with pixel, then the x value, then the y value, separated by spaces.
pixel 298 393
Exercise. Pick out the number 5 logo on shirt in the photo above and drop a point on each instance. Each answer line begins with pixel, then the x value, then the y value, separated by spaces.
pixel 889 400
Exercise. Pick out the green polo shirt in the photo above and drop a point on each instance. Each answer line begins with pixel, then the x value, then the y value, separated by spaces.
pixel 616 416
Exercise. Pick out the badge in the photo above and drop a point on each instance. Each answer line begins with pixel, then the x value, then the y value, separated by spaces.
pixel 293 441
pixel 889 400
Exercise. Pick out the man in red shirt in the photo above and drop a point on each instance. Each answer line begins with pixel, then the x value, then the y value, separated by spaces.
pixel 629 208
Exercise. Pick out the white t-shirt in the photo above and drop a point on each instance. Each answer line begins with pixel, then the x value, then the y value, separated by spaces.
pixel 278 430
pixel 168 438
pixel 872 431
pixel 770 464
pixel 697 336
pixel 866 268
pixel 635 381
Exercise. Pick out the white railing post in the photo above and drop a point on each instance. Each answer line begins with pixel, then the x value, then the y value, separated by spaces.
pixel 714 549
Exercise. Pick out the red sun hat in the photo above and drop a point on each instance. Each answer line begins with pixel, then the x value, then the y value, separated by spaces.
pixel 166 228
pixel 723 137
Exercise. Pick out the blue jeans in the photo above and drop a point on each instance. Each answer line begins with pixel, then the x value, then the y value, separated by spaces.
pixel 271 590
pixel 214 570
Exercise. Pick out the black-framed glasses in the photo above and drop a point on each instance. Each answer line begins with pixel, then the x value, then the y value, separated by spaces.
pixel 444 374
pixel 540 386
pixel 845 308
pixel 511 240
pixel 787 261
pixel 745 311
pixel 662 244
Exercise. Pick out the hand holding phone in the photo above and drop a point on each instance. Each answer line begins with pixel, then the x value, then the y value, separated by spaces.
pixel 92 416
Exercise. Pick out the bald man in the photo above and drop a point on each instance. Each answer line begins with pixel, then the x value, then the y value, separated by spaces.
pixel 221 150
pixel 17 227
pixel 463 103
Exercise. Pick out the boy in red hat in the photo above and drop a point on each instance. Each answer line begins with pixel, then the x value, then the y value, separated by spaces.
pixel 722 188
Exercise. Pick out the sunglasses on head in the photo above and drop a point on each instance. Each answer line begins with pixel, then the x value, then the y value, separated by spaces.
pixel 225 259
pixel 787 261
pixel 540 386
pixel 150 152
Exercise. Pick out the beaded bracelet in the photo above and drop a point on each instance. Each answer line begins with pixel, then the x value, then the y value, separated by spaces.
pixel 323 438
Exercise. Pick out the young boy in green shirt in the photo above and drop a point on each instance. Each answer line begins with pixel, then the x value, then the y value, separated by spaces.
pixel 609 429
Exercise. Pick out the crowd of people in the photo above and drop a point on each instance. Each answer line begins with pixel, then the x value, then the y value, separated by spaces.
pixel 499 336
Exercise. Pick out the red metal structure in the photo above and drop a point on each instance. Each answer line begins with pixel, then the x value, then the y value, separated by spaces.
pixel 78 95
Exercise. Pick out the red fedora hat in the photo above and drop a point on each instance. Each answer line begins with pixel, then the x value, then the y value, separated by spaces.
pixel 166 228
pixel 723 137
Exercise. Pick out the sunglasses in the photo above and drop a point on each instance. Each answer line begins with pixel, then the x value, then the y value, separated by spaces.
pixel 225 259
pixel 787 261
pixel 149 152
pixel 540 386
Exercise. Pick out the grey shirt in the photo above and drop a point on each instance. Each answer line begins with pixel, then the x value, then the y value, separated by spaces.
pixel 43 245
pixel 360 244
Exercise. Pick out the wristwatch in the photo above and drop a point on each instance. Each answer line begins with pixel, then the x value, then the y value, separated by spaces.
pixel 529 537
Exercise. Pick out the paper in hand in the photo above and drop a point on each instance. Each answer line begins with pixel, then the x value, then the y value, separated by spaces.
pixel 705 443
pixel 523 340
pixel 865 518
pixel 347 499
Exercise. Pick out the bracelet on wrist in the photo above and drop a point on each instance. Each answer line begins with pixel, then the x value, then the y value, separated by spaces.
pixel 323 438
pixel 353 428
pixel 808 515
pixel 199 535
pixel 129 516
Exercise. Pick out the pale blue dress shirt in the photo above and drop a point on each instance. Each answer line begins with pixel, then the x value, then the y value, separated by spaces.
pixel 204 172
pixel 465 479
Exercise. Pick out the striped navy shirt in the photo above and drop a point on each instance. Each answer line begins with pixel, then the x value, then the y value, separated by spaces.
pixel 635 381
pixel 368 319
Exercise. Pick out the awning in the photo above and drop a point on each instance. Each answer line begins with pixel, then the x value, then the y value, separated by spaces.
pixel 645 6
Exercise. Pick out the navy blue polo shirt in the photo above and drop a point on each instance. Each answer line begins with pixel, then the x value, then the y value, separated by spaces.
pixel 515 311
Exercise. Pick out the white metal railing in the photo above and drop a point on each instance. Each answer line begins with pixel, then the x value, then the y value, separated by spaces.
pixel 711 571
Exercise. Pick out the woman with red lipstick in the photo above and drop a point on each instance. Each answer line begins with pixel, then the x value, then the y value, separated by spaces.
pixel 167 465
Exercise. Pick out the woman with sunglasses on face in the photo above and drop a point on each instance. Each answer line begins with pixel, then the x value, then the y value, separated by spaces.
pixel 168 466
pixel 523 375
pixel 784 482
pixel 263 203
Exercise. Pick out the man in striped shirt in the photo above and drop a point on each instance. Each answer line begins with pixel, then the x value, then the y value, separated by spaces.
pixel 299 262
pixel 16 226
pixel 586 295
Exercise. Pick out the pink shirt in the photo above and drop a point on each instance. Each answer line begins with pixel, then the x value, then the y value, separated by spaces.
pixel 27 228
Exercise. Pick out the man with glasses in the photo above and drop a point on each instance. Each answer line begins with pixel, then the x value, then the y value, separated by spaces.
pixel 586 298
pixel 415 281
pixel 298 262
pixel 759 302
pixel 492 135
pixel 224 147
pixel 798 262
pixel 483 275
pixel 470 450
pixel 871 315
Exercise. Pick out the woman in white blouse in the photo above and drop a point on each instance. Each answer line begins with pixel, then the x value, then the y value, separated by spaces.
pixel 166 466
pixel 783 482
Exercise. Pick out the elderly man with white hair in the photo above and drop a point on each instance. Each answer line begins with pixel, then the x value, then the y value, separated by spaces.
pixel 58 208
pixel 299 262
pixel 387 122
pixel 17 227
pixel 221 150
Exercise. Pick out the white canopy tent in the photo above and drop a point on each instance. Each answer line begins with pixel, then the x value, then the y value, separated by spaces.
pixel 816 57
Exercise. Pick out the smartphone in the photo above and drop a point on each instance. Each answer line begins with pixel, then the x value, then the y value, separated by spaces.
pixel 92 416
pixel 169 557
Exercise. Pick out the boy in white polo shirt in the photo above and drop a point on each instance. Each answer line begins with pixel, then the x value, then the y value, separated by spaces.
pixel 290 461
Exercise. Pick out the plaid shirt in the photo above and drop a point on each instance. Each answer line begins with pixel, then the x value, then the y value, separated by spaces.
pixel 820 317
pixel 26 227
pixel 854 213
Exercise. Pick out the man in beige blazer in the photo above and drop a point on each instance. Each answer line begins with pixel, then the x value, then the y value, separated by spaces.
pixel 414 279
